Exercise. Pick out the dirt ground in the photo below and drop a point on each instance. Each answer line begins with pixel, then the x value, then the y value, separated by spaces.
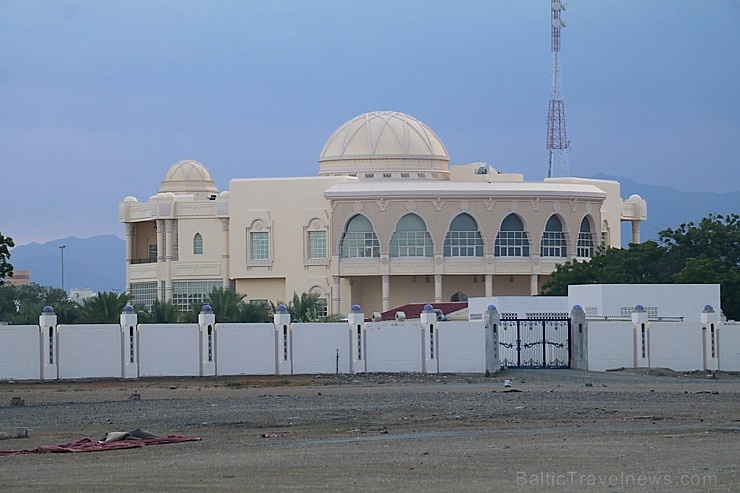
pixel 553 430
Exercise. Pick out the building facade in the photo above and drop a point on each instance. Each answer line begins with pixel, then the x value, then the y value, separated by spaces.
pixel 386 222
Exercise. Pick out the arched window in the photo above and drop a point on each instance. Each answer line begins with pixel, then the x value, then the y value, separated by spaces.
pixel 463 239
pixel 197 244
pixel 411 238
pixel 359 240
pixel 511 241
pixel 553 239
pixel 585 247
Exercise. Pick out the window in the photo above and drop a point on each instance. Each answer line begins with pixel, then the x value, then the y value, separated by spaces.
pixel 143 293
pixel 511 241
pixel 189 294
pixel 322 307
pixel 553 239
pixel 463 239
pixel 411 238
pixel 316 244
pixel 359 240
pixel 585 247
pixel 197 244
pixel 259 245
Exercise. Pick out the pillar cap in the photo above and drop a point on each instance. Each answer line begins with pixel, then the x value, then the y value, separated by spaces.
pixel 356 309
pixel 47 310
pixel 281 308
pixel 206 309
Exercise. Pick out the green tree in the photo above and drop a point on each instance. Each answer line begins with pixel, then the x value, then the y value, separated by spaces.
pixel 23 304
pixel 307 308
pixel 707 252
pixel 104 308
pixel 164 312
pixel 226 303
pixel 255 313
pixel 6 269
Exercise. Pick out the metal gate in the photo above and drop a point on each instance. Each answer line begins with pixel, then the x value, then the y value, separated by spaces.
pixel 535 343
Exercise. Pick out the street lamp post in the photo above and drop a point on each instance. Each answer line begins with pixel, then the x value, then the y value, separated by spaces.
pixel 62 247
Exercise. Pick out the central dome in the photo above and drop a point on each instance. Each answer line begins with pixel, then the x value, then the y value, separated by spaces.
pixel 387 142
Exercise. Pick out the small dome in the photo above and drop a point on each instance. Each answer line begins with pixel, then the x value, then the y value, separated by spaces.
pixel 188 177
pixel 384 141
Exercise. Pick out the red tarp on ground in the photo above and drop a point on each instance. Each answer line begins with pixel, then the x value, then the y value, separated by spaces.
pixel 87 445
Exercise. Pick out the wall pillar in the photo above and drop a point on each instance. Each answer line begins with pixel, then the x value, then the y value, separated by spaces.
pixel 49 344
pixel 129 321
pixel 578 339
pixel 356 322
pixel 492 320
pixel 283 351
pixel 430 338
pixel 641 337
pixel 386 292
pixel 710 325
pixel 207 323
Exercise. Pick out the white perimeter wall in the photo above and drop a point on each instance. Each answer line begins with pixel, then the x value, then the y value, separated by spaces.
pixel 393 347
pixel 610 345
pixel 677 346
pixel 317 346
pixel 672 300
pixel 169 350
pixel 20 352
pixel 89 351
pixel 245 349
pixel 461 347
pixel 729 346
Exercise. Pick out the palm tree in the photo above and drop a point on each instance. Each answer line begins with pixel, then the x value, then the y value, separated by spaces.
pixel 226 303
pixel 104 308
pixel 307 308
pixel 255 313
pixel 164 312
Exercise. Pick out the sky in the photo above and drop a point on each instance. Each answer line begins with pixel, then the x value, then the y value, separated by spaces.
pixel 98 98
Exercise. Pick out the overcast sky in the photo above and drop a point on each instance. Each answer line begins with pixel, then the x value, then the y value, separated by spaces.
pixel 99 98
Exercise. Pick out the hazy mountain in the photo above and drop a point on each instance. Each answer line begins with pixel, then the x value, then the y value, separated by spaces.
pixel 97 263
pixel 669 208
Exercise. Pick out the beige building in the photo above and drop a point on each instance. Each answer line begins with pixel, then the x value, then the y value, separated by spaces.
pixel 387 221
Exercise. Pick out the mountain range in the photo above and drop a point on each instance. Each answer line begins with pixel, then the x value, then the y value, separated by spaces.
pixel 98 262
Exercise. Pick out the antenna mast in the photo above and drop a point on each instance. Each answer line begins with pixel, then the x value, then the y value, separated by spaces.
pixel 557 142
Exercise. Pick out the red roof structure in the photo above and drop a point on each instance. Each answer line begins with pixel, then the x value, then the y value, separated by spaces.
pixel 413 310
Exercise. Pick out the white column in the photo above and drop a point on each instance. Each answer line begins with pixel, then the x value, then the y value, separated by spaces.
pixel 335 294
pixel 129 333
pixel 641 337
pixel 386 292
pixel 207 323
pixel 533 285
pixel 356 323
pixel 129 253
pixel 492 326
pixel 169 241
pixel 710 328
pixel 489 285
pixel 225 255
pixel 438 288
pixel 161 266
pixel 49 344
pixel 635 231
pixel 430 338
pixel 283 365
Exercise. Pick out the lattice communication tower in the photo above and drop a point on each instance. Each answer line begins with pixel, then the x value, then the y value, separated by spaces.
pixel 557 140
